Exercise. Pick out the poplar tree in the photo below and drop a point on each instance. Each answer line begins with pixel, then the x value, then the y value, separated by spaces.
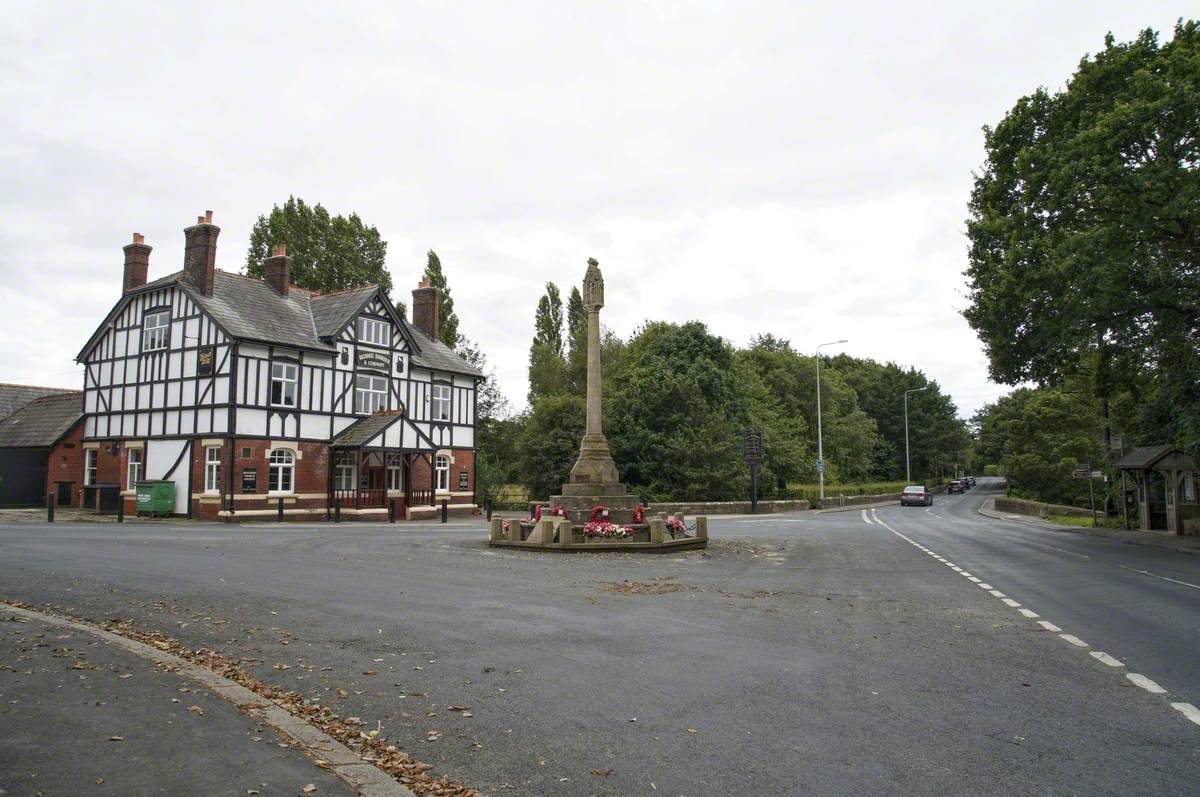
pixel 577 340
pixel 447 318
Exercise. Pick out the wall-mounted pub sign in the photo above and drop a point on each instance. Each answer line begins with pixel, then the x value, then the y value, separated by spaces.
pixel 249 480
pixel 374 360
pixel 206 359
pixel 463 481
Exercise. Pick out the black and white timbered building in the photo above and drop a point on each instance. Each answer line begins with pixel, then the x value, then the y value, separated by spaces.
pixel 244 392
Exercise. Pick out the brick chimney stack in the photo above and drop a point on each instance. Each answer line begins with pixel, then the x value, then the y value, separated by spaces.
pixel 137 263
pixel 277 269
pixel 425 309
pixel 200 253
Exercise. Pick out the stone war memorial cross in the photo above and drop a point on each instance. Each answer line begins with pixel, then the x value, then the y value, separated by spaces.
pixel 594 495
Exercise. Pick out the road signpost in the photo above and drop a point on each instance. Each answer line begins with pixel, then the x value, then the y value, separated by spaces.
pixel 1084 471
pixel 752 454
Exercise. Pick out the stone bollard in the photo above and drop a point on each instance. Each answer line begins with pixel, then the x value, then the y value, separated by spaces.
pixel 702 527
pixel 657 530
pixel 566 532
pixel 514 529
pixel 497 530
pixel 543 532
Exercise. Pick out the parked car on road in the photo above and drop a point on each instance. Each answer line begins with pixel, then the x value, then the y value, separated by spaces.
pixel 916 495
pixel 955 487
pixel 970 481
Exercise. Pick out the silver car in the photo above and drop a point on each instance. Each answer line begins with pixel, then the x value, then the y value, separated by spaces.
pixel 916 495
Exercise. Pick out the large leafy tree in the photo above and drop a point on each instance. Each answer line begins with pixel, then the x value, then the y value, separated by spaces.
pixel 447 318
pixel 1085 232
pixel 329 253
pixel 549 443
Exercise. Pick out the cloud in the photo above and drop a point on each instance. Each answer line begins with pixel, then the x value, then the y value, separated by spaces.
pixel 778 167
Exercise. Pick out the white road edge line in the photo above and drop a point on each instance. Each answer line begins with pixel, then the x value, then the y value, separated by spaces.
pixel 866 518
pixel 1145 683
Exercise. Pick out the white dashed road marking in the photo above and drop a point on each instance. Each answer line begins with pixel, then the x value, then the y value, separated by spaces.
pixel 1049 626
pixel 1188 710
pixel 1107 659
pixel 1145 683
pixel 1029 614
pixel 1011 602
pixel 1074 640
pixel 997 593
pixel 981 585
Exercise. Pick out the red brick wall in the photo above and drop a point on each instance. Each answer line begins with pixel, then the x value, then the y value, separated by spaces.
pixel 311 476
pixel 463 459
pixel 65 464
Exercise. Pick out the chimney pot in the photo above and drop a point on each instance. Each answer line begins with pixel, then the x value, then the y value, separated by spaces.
pixel 138 238
pixel 208 217
pixel 279 250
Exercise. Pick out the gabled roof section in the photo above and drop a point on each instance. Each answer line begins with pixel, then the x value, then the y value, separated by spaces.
pixel 1145 457
pixel 331 312
pixel 42 422
pixel 360 433
pixel 14 397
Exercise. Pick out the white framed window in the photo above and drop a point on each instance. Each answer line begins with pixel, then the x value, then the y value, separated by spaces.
pixel 442 469
pixel 370 393
pixel 133 467
pixel 441 402
pixel 155 327
pixel 283 384
pixel 395 472
pixel 212 470
pixel 372 330
pixel 281 470
pixel 89 467
pixel 343 471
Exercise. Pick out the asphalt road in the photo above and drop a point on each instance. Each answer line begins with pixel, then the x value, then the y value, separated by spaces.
pixel 799 654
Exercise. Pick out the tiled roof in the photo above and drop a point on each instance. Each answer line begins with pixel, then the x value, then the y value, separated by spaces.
pixel 362 431
pixel 42 421
pixel 249 308
pixel 437 356
pixel 1142 457
pixel 13 397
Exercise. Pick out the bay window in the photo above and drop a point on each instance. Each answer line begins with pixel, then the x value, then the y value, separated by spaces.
pixel 283 384
pixel 370 393
pixel 281 468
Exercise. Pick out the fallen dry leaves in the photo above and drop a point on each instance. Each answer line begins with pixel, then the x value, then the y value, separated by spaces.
pixel 658 586
pixel 404 768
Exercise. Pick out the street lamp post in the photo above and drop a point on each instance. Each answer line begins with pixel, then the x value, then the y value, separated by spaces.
pixel 820 447
pixel 907 466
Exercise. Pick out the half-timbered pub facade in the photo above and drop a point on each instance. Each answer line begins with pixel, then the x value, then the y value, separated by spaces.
pixel 252 394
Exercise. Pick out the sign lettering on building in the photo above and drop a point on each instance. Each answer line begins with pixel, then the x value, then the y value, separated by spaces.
pixel 249 480
pixel 463 481
pixel 373 360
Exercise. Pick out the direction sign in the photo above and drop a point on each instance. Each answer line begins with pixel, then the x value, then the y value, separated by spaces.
pixel 1081 473
pixel 1097 474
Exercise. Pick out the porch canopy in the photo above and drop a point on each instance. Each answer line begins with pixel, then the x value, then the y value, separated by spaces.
pixel 382 449
pixel 1165 482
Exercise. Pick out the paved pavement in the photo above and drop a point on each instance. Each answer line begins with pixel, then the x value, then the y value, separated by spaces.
pixel 799 654
pixel 79 716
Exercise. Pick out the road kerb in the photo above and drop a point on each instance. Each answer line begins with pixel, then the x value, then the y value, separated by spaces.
pixel 365 778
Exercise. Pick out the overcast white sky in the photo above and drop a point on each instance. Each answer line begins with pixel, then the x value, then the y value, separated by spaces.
pixel 795 168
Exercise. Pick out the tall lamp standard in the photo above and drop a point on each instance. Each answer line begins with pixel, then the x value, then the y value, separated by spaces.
pixel 907 467
pixel 820 447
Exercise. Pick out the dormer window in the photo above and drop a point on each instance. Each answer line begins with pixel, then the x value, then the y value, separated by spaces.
pixel 372 330
pixel 155 327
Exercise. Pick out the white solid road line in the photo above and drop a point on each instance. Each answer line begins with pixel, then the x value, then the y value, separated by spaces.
pixel 1145 683
pixel 867 518
pixel 1188 710
pixel 1049 626
pixel 1074 640
pixel 1107 659
pixel 1160 578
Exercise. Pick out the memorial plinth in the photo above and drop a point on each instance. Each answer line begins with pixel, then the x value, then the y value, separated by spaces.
pixel 594 486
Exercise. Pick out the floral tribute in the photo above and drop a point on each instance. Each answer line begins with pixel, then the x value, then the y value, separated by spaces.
pixel 674 525
pixel 604 528
pixel 639 514
pixel 599 512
